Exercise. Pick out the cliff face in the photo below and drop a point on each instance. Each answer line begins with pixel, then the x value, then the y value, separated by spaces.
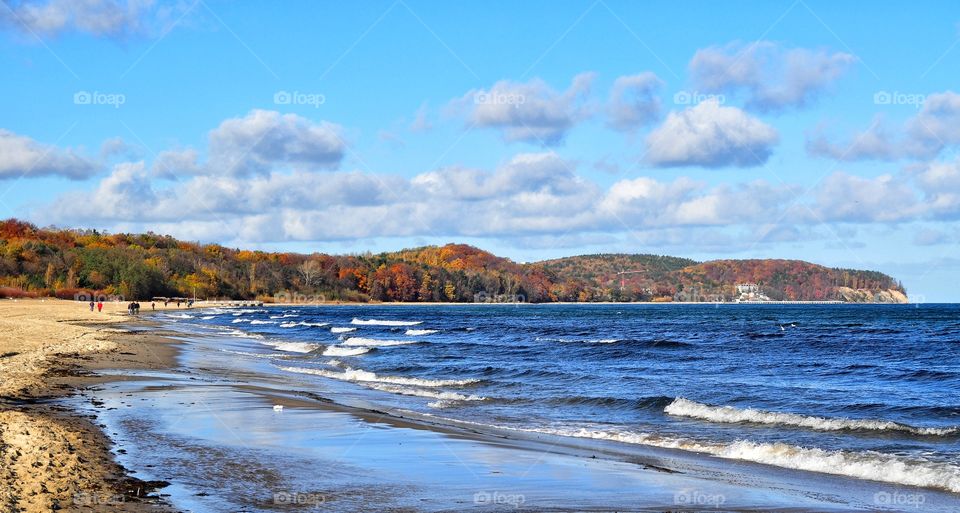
pixel 870 296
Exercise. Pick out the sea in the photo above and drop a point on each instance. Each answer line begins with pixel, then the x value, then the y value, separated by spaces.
pixel 865 391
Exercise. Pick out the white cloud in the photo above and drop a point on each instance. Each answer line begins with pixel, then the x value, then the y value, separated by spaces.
pixel 21 156
pixel 849 198
pixel 633 101
pixel 923 136
pixel 263 139
pixel 531 112
pixel 111 18
pixel 773 77
pixel 711 135
pixel 936 126
pixel 874 143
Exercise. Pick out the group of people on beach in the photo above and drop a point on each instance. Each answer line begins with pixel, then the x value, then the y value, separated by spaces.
pixel 133 308
pixel 98 305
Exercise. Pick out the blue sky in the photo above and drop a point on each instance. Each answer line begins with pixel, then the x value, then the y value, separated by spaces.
pixel 738 130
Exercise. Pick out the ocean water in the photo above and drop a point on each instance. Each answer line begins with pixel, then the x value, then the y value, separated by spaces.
pixel 866 391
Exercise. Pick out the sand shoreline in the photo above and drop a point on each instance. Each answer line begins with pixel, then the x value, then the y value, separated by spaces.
pixel 52 457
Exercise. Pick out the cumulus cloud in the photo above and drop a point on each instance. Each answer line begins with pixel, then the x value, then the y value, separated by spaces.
pixel 874 143
pixel 936 126
pixel 711 135
pixel 634 102
pixel 531 112
pixel 849 198
pixel 110 18
pixel 21 156
pixel 940 182
pixel 263 139
pixel 923 136
pixel 774 78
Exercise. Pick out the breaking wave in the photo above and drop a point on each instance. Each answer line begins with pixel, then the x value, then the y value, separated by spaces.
pixel 345 351
pixel 681 407
pixel 361 341
pixel 359 375
pixel 378 322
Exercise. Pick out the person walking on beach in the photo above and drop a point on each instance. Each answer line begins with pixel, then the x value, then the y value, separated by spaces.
pixel 91 305
pixel 153 305
pixel 99 306
pixel 130 308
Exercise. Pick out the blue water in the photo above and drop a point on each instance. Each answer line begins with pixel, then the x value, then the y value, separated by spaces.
pixel 868 391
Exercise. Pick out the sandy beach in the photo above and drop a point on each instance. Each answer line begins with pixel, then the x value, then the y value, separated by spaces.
pixel 52 457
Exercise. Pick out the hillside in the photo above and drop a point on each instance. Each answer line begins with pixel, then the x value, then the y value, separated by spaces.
pixel 65 263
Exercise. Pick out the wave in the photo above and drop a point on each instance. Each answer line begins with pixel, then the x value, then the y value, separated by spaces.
pixel 342 330
pixel 284 316
pixel 414 333
pixel 359 375
pixel 345 351
pixel 241 334
pixel 294 347
pixel 179 316
pixel 863 465
pixel 728 414
pixel 302 323
pixel 261 322
pixel 361 341
pixel 379 322
pixel 432 394
pixel 645 403
pixel 207 317
pixel 579 340
pixel 235 321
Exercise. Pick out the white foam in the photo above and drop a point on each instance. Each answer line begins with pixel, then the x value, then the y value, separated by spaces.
pixel 180 316
pixel 378 322
pixel 360 375
pixel 863 465
pixel 242 334
pixel 432 394
pixel 728 414
pixel 261 322
pixel 342 330
pixel 235 321
pixel 362 341
pixel 284 316
pixel 579 340
pixel 294 347
pixel 208 317
pixel 415 333
pixel 345 351
pixel 301 323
